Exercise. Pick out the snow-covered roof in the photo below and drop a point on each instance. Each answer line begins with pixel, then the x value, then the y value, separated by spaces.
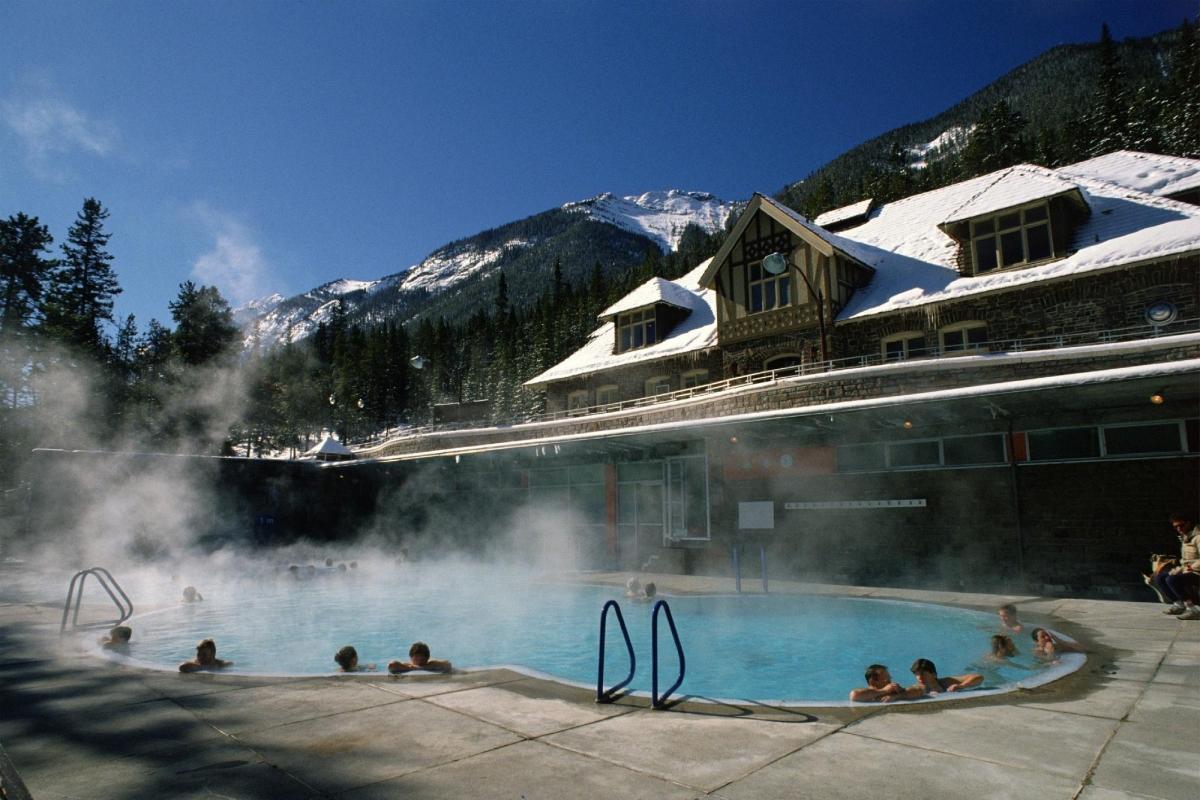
pixel 329 446
pixel 698 331
pixel 1009 188
pixel 1146 172
pixel 655 290
pixel 844 213
pixel 915 261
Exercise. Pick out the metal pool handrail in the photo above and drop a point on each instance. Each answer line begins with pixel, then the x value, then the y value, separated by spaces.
pixel 657 700
pixel 108 583
pixel 606 695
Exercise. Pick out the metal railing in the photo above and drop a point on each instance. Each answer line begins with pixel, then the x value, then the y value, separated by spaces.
pixel 735 556
pixel 109 584
pixel 608 695
pixel 11 785
pixel 660 700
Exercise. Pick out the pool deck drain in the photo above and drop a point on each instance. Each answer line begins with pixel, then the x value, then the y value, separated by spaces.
pixel 1125 726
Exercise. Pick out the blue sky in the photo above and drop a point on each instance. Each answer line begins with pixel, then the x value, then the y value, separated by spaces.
pixel 264 146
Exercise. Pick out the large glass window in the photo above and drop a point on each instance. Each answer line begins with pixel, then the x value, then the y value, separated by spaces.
pixel 607 395
pixel 1061 444
pixel 577 400
pixel 966 450
pixel 1147 439
pixel 907 455
pixel 904 345
pixel 768 291
pixel 636 329
pixel 1011 239
pixel 659 384
pixel 860 457
pixel 694 378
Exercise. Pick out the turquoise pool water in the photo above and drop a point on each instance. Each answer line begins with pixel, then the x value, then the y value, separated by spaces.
pixel 786 648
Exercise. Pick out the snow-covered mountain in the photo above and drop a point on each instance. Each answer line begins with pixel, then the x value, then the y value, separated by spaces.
pixel 458 271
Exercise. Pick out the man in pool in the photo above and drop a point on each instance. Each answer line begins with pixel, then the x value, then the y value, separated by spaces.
pixel 418 658
pixel 117 639
pixel 206 658
pixel 347 659
pixel 928 681
pixel 1008 617
pixel 880 687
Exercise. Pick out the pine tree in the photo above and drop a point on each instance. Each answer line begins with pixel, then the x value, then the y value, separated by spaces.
pixel 23 270
pixel 1181 122
pixel 204 324
pixel 1109 122
pixel 996 142
pixel 82 286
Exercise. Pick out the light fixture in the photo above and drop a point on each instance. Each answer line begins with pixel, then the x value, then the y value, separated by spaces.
pixel 418 362
pixel 908 424
pixel 1158 398
pixel 733 440
pixel 775 263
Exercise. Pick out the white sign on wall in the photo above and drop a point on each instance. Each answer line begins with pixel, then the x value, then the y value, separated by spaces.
pixel 907 503
pixel 756 515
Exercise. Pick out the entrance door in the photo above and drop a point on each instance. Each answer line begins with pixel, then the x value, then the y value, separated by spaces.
pixel 640 521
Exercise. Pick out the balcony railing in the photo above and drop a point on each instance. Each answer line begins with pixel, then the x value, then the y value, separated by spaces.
pixel 1035 343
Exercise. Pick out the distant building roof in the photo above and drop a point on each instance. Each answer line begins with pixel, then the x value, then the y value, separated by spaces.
pixel 1146 172
pixel 697 332
pixel 330 449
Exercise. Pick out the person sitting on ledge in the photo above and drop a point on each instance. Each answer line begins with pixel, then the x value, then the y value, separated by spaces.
pixel 117 639
pixel 347 659
pixel 418 658
pixel 1178 581
pixel 206 658
pixel 880 687
pixel 1048 646
pixel 190 595
pixel 1008 617
pixel 928 681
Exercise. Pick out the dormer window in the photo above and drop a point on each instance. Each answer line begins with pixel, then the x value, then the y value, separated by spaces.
pixel 636 329
pixel 767 291
pixel 1013 238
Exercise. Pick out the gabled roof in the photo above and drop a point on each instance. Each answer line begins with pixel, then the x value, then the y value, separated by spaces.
pixel 844 214
pixel 820 239
pixel 1146 172
pixel 1009 188
pixel 329 446
pixel 656 290
pixel 696 333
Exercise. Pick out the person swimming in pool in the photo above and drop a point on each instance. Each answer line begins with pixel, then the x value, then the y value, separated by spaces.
pixel 418 658
pixel 1047 646
pixel 928 681
pixel 190 595
pixel 633 588
pixel 881 688
pixel 1003 648
pixel 117 639
pixel 206 658
pixel 347 659
pixel 648 593
pixel 1008 618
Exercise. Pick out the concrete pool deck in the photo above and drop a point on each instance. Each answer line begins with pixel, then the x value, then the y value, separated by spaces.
pixel 1127 725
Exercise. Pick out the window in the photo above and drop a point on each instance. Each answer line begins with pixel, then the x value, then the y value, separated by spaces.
pixel 636 329
pixel 904 345
pixel 908 455
pixel 608 395
pixel 1011 239
pixel 1144 439
pixel 694 378
pixel 960 451
pixel 577 400
pixel 1060 444
pixel 964 336
pixel 783 361
pixel 860 457
pixel 659 384
pixel 767 291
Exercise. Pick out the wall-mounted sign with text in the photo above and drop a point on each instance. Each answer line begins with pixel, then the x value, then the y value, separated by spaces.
pixel 826 504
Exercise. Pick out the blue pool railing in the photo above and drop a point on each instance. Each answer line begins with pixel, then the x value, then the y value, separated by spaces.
pixel 657 700
pixel 735 557
pixel 109 584
pixel 607 695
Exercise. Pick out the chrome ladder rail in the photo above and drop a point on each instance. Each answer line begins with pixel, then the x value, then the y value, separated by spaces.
pixel 656 700
pixel 607 695
pixel 108 583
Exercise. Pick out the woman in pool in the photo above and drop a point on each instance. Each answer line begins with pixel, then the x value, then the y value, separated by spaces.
pixel 418 658
pixel 1003 648
pixel 206 658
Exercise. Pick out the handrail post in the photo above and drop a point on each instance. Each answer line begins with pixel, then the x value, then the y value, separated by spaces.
pixel 737 568
pixel 603 695
pixel 762 554
pixel 658 701
pixel 108 583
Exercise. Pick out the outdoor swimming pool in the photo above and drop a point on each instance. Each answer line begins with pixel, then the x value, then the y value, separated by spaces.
pixel 777 647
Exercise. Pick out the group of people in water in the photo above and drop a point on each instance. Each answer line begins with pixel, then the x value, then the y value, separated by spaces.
pixel 881 688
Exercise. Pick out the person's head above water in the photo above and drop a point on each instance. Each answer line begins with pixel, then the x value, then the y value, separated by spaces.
pixel 877 676
pixel 190 595
pixel 650 589
pixel 1003 646
pixel 206 651
pixel 347 658
pixel 418 654
pixel 923 666
pixel 1008 614
pixel 633 586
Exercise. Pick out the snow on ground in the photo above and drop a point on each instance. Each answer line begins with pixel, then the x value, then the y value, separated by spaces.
pixel 660 216
pixel 448 266
pixel 947 141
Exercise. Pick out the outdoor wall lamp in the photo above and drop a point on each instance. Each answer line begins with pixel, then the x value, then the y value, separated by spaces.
pixel 777 264
pixel 1158 398
pixel 908 423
